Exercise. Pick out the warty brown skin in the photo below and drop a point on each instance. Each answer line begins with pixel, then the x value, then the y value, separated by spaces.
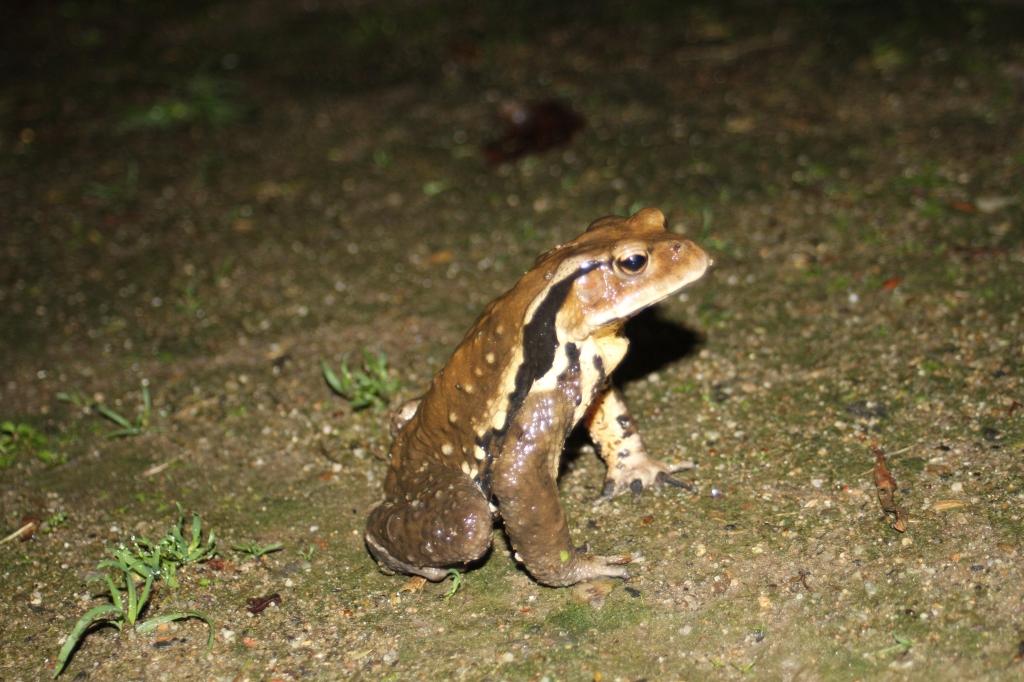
pixel 485 440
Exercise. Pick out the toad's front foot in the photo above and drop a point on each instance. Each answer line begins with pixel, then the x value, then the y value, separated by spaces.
pixel 580 567
pixel 639 472
pixel 611 566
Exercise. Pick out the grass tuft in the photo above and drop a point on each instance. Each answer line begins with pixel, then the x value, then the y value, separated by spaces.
pixel 203 99
pixel 367 386
pixel 18 438
pixel 175 550
pixel 127 426
pixel 256 551
pixel 130 575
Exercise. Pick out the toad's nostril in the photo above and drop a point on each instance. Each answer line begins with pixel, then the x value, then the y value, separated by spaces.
pixel 676 246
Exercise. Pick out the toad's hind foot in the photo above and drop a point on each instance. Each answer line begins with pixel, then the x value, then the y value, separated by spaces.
pixel 639 473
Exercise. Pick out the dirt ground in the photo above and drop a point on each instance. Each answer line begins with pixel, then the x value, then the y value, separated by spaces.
pixel 209 199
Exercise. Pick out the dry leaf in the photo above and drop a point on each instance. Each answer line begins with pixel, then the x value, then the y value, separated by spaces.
pixel 592 592
pixel 442 257
pixel 963 206
pixel 413 584
pixel 532 127
pixel 259 604
pixel 885 486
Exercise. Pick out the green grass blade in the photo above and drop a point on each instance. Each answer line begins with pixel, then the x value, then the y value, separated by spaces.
pixel 179 539
pixel 156 621
pixel 144 597
pixel 133 599
pixel 154 559
pixel 456 577
pixel 331 378
pixel 170 574
pixel 115 417
pixel 147 407
pixel 115 594
pixel 94 614
pixel 110 563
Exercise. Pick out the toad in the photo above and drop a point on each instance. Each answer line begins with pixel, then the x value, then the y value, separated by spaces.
pixel 484 442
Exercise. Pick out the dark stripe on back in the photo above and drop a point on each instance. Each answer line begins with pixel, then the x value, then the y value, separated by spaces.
pixel 540 343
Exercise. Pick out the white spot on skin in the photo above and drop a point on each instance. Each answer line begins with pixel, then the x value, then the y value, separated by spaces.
pixel 465 468
pixel 479 453
pixel 468 388
pixel 478 372
pixel 452 417
pixel 447 448
pixel 473 472
pixel 489 358
pixel 499 419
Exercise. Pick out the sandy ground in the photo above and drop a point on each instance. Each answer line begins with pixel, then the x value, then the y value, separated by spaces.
pixel 212 199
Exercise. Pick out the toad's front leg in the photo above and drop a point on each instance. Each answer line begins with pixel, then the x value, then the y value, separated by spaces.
pixel 527 494
pixel 618 443
pixel 536 526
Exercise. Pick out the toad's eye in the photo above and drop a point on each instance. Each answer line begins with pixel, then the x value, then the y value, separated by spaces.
pixel 632 264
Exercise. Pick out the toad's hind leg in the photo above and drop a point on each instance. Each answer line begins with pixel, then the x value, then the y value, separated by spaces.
pixel 617 441
pixel 444 522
